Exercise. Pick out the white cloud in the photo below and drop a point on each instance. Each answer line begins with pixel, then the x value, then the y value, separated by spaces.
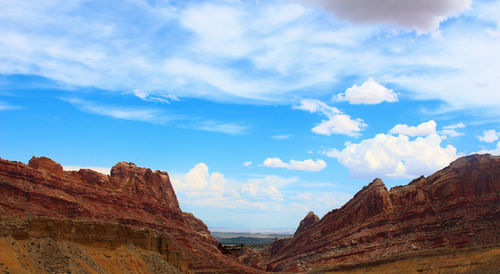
pixel 103 170
pixel 394 156
pixel 455 126
pixel 424 129
pixel 266 187
pixel 271 52
pixel 275 162
pixel 200 187
pixel 450 133
pixel 247 163
pixel 337 123
pixel 369 93
pixel 421 15
pixel 199 179
pixel 313 106
pixel 489 136
pixel 146 96
pixel 307 165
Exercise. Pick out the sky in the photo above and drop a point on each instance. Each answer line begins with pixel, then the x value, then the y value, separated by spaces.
pixel 261 111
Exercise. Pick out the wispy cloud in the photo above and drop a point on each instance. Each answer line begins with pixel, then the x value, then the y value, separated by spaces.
pixel 156 116
pixel 146 96
pixel 4 106
pixel 149 115
pixel 217 126
pixel 269 52
pixel 337 122
pixel 281 136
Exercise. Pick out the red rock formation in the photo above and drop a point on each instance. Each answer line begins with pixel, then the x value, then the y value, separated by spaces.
pixel 458 206
pixel 131 195
pixel 309 221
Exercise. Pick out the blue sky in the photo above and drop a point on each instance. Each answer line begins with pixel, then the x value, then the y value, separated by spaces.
pixel 260 110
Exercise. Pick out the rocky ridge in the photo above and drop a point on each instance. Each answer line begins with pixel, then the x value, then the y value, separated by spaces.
pixel 457 207
pixel 132 196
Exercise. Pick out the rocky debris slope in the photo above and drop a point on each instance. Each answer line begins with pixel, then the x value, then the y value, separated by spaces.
pixel 131 195
pixel 457 207
pixel 42 244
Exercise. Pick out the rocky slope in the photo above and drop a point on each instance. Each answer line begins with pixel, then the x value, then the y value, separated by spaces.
pixel 131 196
pixel 457 207
pixel 42 244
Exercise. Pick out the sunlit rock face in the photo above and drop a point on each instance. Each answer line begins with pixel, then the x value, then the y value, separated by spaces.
pixel 456 207
pixel 132 196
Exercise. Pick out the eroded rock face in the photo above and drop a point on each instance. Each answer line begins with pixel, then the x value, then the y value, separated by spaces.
pixel 309 221
pixel 131 196
pixel 458 206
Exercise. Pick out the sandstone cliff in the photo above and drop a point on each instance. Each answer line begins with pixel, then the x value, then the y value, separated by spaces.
pixel 132 196
pixel 457 207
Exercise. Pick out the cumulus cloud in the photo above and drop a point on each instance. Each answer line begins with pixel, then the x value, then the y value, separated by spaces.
pixel 247 163
pixel 266 187
pixel 337 123
pixel 307 165
pixel 489 136
pixel 424 129
pixel 198 178
pixel 394 156
pixel 203 188
pixel 369 93
pixel 421 15
pixel 103 170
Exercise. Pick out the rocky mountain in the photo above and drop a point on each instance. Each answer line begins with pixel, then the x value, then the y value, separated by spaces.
pixel 456 208
pixel 84 207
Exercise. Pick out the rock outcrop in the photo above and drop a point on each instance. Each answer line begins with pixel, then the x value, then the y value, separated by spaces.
pixel 132 196
pixel 309 221
pixel 68 237
pixel 457 207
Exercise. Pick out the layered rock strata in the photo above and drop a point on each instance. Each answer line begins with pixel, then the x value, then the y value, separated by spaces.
pixel 130 195
pixel 457 207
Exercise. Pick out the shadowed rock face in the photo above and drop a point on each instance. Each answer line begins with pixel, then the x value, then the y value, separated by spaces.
pixel 309 221
pixel 131 195
pixel 458 206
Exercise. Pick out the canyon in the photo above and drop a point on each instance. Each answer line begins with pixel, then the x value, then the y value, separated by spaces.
pixel 130 221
